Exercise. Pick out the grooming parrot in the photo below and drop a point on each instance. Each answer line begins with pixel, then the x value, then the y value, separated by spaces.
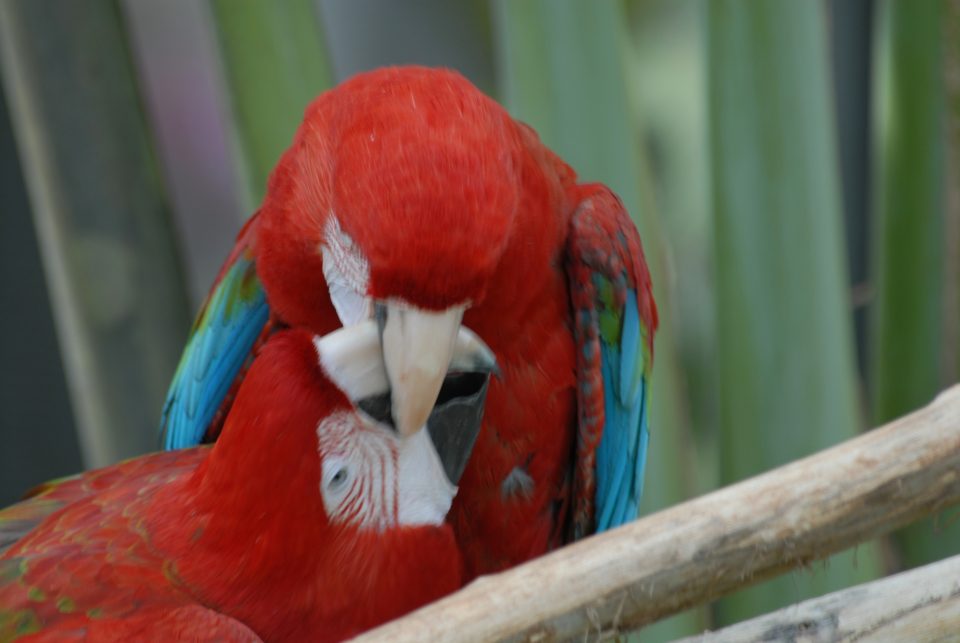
pixel 308 520
pixel 409 196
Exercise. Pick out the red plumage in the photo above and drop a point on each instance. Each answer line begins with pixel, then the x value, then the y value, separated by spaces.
pixel 452 202
pixel 231 541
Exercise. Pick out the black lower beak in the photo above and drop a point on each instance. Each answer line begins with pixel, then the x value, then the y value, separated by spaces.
pixel 454 422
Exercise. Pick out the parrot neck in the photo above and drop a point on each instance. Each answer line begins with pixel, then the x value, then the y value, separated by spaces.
pixel 250 530
pixel 252 510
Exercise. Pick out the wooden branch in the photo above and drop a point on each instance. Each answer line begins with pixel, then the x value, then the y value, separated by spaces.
pixel 708 547
pixel 919 605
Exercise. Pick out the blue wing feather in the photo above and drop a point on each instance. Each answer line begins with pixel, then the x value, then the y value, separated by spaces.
pixel 622 452
pixel 614 320
pixel 629 353
pixel 223 337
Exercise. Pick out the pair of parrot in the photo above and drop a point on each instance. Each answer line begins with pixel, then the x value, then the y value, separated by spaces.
pixel 411 203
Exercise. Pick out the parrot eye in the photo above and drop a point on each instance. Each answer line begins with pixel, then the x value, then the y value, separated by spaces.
pixel 338 479
pixel 358 471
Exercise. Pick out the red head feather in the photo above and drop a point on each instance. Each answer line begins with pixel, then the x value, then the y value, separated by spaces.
pixel 421 170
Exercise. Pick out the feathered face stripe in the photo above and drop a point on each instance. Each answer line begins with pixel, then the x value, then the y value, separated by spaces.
pixel 359 481
pixel 347 274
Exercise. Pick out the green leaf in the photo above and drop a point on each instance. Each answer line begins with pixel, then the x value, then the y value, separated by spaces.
pixel 907 312
pixel 787 385
pixel 276 62
pixel 909 198
pixel 106 239
pixel 561 70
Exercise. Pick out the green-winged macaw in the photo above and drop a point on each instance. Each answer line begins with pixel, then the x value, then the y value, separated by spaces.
pixel 409 196
pixel 308 520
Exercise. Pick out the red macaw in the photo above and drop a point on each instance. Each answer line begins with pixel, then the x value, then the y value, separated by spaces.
pixel 410 196
pixel 308 520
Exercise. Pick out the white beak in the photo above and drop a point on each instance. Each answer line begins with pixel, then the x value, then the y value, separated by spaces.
pixel 419 347
pixel 408 358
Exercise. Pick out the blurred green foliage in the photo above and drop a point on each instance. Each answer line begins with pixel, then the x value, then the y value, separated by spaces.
pixel 786 374
pixel 909 144
pixel 276 62
pixel 715 121
pixel 909 353
pixel 106 238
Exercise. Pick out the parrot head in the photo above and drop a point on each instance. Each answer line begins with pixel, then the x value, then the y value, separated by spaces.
pixel 398 198
pixel 307 395
pixel 310 494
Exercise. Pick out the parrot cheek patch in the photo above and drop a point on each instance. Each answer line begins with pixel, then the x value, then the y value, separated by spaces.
pixel 358 481
pixel 347 274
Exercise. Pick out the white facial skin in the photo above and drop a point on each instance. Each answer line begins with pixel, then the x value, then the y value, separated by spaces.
pixel 347 273
pixel 373 475
pixel 375 479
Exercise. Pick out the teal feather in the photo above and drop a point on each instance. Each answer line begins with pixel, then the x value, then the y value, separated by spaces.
pixel 622 452
pixel 223 337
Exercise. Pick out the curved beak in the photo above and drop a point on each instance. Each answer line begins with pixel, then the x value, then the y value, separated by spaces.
pixel 353 359
pixel 419 348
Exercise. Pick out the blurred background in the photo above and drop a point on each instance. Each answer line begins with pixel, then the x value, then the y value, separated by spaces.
pixel 791 167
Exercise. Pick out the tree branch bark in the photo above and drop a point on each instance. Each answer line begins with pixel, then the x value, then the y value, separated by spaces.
pixel 713 545
pixel 919 605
